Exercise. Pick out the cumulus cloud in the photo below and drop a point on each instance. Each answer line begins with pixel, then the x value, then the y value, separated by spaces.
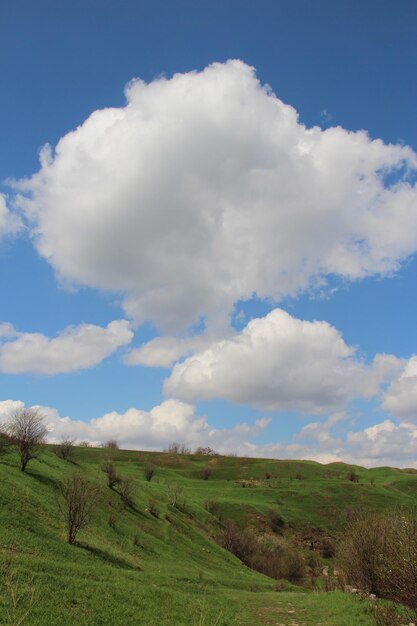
pixel 385 443
pixel 75 348
pixel 206 189
pixel 9 223
pixel 280 363
pixel 165 351
pixel 146 430
pixel 400 399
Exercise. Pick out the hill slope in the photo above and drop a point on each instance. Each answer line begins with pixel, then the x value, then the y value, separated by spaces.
pixel 134 567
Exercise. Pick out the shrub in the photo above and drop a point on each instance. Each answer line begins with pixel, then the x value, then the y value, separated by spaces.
pixel 206 472
pixel 176 497
pixel 149 471
pixel 206 451
pixel 27 432
pixel 65 450
pixel 126 492
pixel 212 507
pixel 353 476
pixel 112 477
pixel 379 555
pixel 276 521
pixel 111 444
pixel 178 448
pixel 78 499
pixel 5 440
pixel 153 508
pixel 294 568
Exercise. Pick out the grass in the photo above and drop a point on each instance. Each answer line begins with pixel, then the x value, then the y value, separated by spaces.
pixel 130 567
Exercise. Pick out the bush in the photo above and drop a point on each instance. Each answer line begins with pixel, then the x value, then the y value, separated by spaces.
pixel 65 450
pixel 276 521
pixel 206 472
pixel 178 448
pixel 113 478
pixel 126 492
pixel 149 471
pixel 353 476
pixel 153 508
pixel 176 497
pixel 111 444
pixel 27 432
pixel 206 451
pixel 78 500
pixel 379 555
pixel 5 440
pixel 212 507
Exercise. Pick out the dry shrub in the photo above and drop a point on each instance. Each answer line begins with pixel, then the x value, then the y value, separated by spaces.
pixel 206 451
pixel 126 492
pixel 78 500
pixel 149 471
pixel 212 507
pixel 379 555
pixel 267 553
pixel 206 472
pixel 153 508
pixel 276 521
pixel 113 478
pixel 176 497
pixel 111 444
pixel 65 450
pixel 27 431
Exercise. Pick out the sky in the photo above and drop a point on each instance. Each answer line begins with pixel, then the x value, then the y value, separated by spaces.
pixel 208 224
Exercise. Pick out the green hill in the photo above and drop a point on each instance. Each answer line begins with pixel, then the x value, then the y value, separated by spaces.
pixel 156 563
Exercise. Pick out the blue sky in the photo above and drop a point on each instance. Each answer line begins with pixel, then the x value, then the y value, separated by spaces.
pixel 204 204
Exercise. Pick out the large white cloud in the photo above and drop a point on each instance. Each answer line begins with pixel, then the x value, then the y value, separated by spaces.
pixel 281 363
pixel 400 399
pixel 77 347
pixel 205 189
pixel 146 430
pixel 384 443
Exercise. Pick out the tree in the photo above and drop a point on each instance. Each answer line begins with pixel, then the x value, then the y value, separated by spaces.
pixel 5 440
pixel 65 450
pixel 27 430
pixel 149 471
pixel 112 477
pixel 79 498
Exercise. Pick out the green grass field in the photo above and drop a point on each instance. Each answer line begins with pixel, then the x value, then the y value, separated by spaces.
pixel 130 567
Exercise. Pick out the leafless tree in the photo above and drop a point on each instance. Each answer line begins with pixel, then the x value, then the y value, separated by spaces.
pixel 149 471
pixel 5 439
pixel 112 477
pixel 126 492
pixel 111 444
pixel 206 451
pixel 79 498
pixel 27 430
pixel 178 448
pixel 65 450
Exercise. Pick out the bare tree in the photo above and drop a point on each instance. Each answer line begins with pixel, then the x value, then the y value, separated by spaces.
pixel 27 430
pixel 149 471
pixel 112 477
pixel 65 450
pixel 79 498
pixel 126 492
pixel 111 444
pixel 178 448
pixel 5 439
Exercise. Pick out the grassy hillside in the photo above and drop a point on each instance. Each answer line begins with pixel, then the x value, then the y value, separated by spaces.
pixel 133 567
